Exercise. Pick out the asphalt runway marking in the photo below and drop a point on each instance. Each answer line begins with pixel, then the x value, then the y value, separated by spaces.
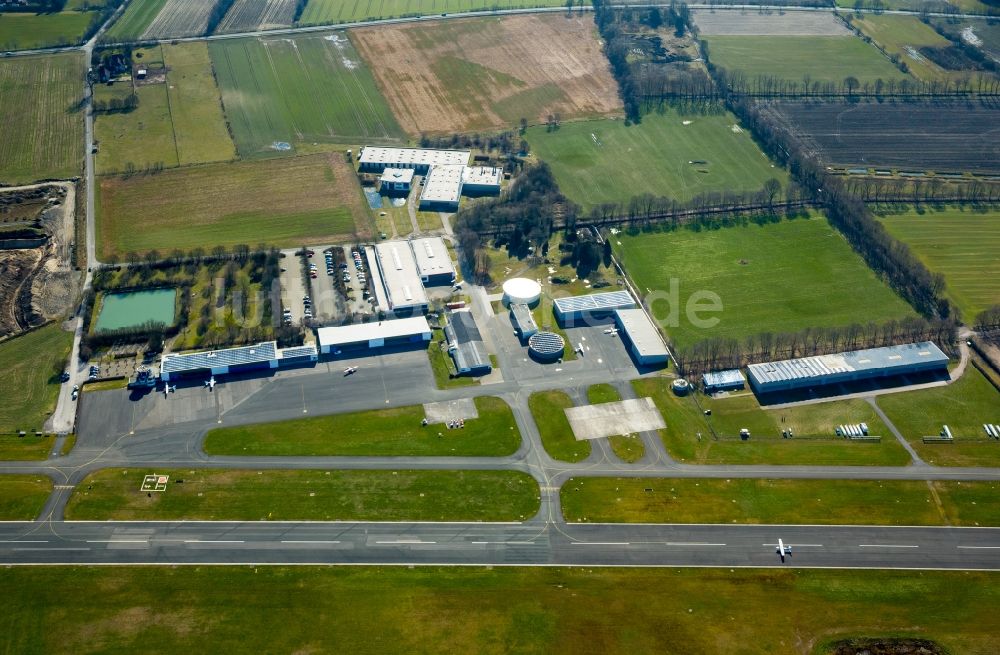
pixel 797 545
pixel 118 541
pixel 307 541
pixel 211 541
pixel 887 546
pixel 42 541
pixel 601 543
pixel 34 549
pixel 405 542
pixel 979 547
pixel 691 543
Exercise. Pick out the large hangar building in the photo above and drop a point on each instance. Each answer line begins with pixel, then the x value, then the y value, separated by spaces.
pixel 574 309
pixel 642 336
pixel 371 336
pixel 243 359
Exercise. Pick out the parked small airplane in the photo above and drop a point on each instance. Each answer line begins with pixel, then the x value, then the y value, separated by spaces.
pixel 611 331
pixel 210 383
pixel 783 550
pixel 350 370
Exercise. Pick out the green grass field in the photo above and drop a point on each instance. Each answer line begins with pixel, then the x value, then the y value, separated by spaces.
pixel 43 124
pixel 602 393
pixel 312 88
pixel 24 31
pixel 547 408
pixel 812 426
pixel 134 20
pixel 384 432
pixel 22 497
pixel 821 58
pixel 900 35
pixel 963 406
pixel 628 448
pixel 557 610
pixel 242 495
pixel 786 502
pixel 323 12
pixel 606 161
pixel 29 375
pixel 282 202
pixel 776 277
pixel 962 245
pixel 26 448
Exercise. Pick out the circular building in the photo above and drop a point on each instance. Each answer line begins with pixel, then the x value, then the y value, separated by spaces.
pixel 521 291
pixel 681 386
pixel 546 346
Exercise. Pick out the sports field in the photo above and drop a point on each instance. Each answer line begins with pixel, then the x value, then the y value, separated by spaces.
pixel 319 495
pixel 281 91
pixel 177 123
pixel 29 375
pixel 821 58
pixel 964 246
pixel 322 12
pixel 25 31
pixel 483 73
pixel 41 118
pixel 904 36
pixel 607 161
pixel 776 277
pixel 134 20
pixel 282 202
pixel 22 497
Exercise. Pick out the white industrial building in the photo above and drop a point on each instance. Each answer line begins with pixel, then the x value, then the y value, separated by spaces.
pixel 442 188
pixel 396 181
pixel 369 336
pixel 241 359
pixel 433 261
pixel 642 336
pixel 375 160
pixel 481 180
pixel 593 306
pixel 398 287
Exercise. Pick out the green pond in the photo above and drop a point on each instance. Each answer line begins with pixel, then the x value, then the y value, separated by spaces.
pixel 125 310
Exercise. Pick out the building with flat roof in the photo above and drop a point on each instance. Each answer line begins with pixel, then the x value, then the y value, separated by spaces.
pixel 369 336
pixel 375 159
pixel 260 356
pixel 402 290
pixel 481 180
pixel 722 381
pixel 433 261
pixel 396 181
pixel 642 337
pixel 821 370
pixel 523 321
pixel 593 306
pixel 442 189
pixel 465 344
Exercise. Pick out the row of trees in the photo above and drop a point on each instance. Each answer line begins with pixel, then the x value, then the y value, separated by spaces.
pixel 117 105
pixel 926 190
pixel 218 12
pixel 507 142
pixel 721 353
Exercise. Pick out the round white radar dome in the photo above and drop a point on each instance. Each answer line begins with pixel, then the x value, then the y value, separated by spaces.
pixel 521 290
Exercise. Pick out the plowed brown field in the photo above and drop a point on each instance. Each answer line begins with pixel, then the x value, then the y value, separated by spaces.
pixel 465 75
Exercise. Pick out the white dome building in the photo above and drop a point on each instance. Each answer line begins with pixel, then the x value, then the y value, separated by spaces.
pixel 521 291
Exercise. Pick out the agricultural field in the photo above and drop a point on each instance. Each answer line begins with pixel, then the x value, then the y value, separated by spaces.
pixel 776 277
pixel 132 24
pixel 280 202
pixel 22 497
pixel 47 140
pixel 795 58
pixel 25 31
pixel 30 366
pixel 912 136
pixel 279 92
pixel 324 12
pixel 179 18
pixel 984 34
pixel 670 154
pixel 488 73
pixel 906 37
pixel 250 15
pixel 178 122
pixel 961 244
pixel 733 22
pixel 560 610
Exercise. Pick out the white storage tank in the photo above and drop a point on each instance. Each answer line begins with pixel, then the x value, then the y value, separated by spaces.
pixel 521 290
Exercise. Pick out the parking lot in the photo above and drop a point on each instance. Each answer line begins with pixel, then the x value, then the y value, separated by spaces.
pixel 292 288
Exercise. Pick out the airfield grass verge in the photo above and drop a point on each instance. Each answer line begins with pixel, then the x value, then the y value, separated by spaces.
pixel 30 366
pixel 773 277
pixel 278 202
pixel 22 497
pixel 383 432
pixel 43 122
pixel 548 409
pixel 626 447
pixel 320 495
pixel 786 502
pixel 689 438
pixel 961 244
pixel 26 448
pixel 963 406
pixel 602 393
pixel 671 154
pixel 557 610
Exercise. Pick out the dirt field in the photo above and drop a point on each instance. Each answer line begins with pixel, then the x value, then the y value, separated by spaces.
pixel 465 75
pixel 753 23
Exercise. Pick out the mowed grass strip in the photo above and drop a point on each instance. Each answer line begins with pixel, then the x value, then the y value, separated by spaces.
pixel 602 393
pixel 820 58
pixel 606 161
pixel 43 122
pixel 30 366
pixel 395 432
pixel 617 611
pixel 245 495
pixel 548 409
pixel 22 497
pixel 281 202
pixel 963 406
pixel 776 277
pixel 306 89
pixel 786 502
pixel 962 245
pixel 688 436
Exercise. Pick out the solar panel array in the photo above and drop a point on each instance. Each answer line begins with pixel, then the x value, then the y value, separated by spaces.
pixel 595 302
pixel 207 360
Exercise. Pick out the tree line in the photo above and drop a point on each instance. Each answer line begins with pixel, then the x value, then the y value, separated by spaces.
pixel 922 190
pixel 219 11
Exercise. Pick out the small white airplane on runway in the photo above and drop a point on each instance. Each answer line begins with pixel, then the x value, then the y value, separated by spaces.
pixel 351 370
pixel 783 550
pixel 612 331
pixel 210 383
pixel 167 390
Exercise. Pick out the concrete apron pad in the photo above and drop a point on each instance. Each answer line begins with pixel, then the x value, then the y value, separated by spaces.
pixel 452 410
pixel 610 419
